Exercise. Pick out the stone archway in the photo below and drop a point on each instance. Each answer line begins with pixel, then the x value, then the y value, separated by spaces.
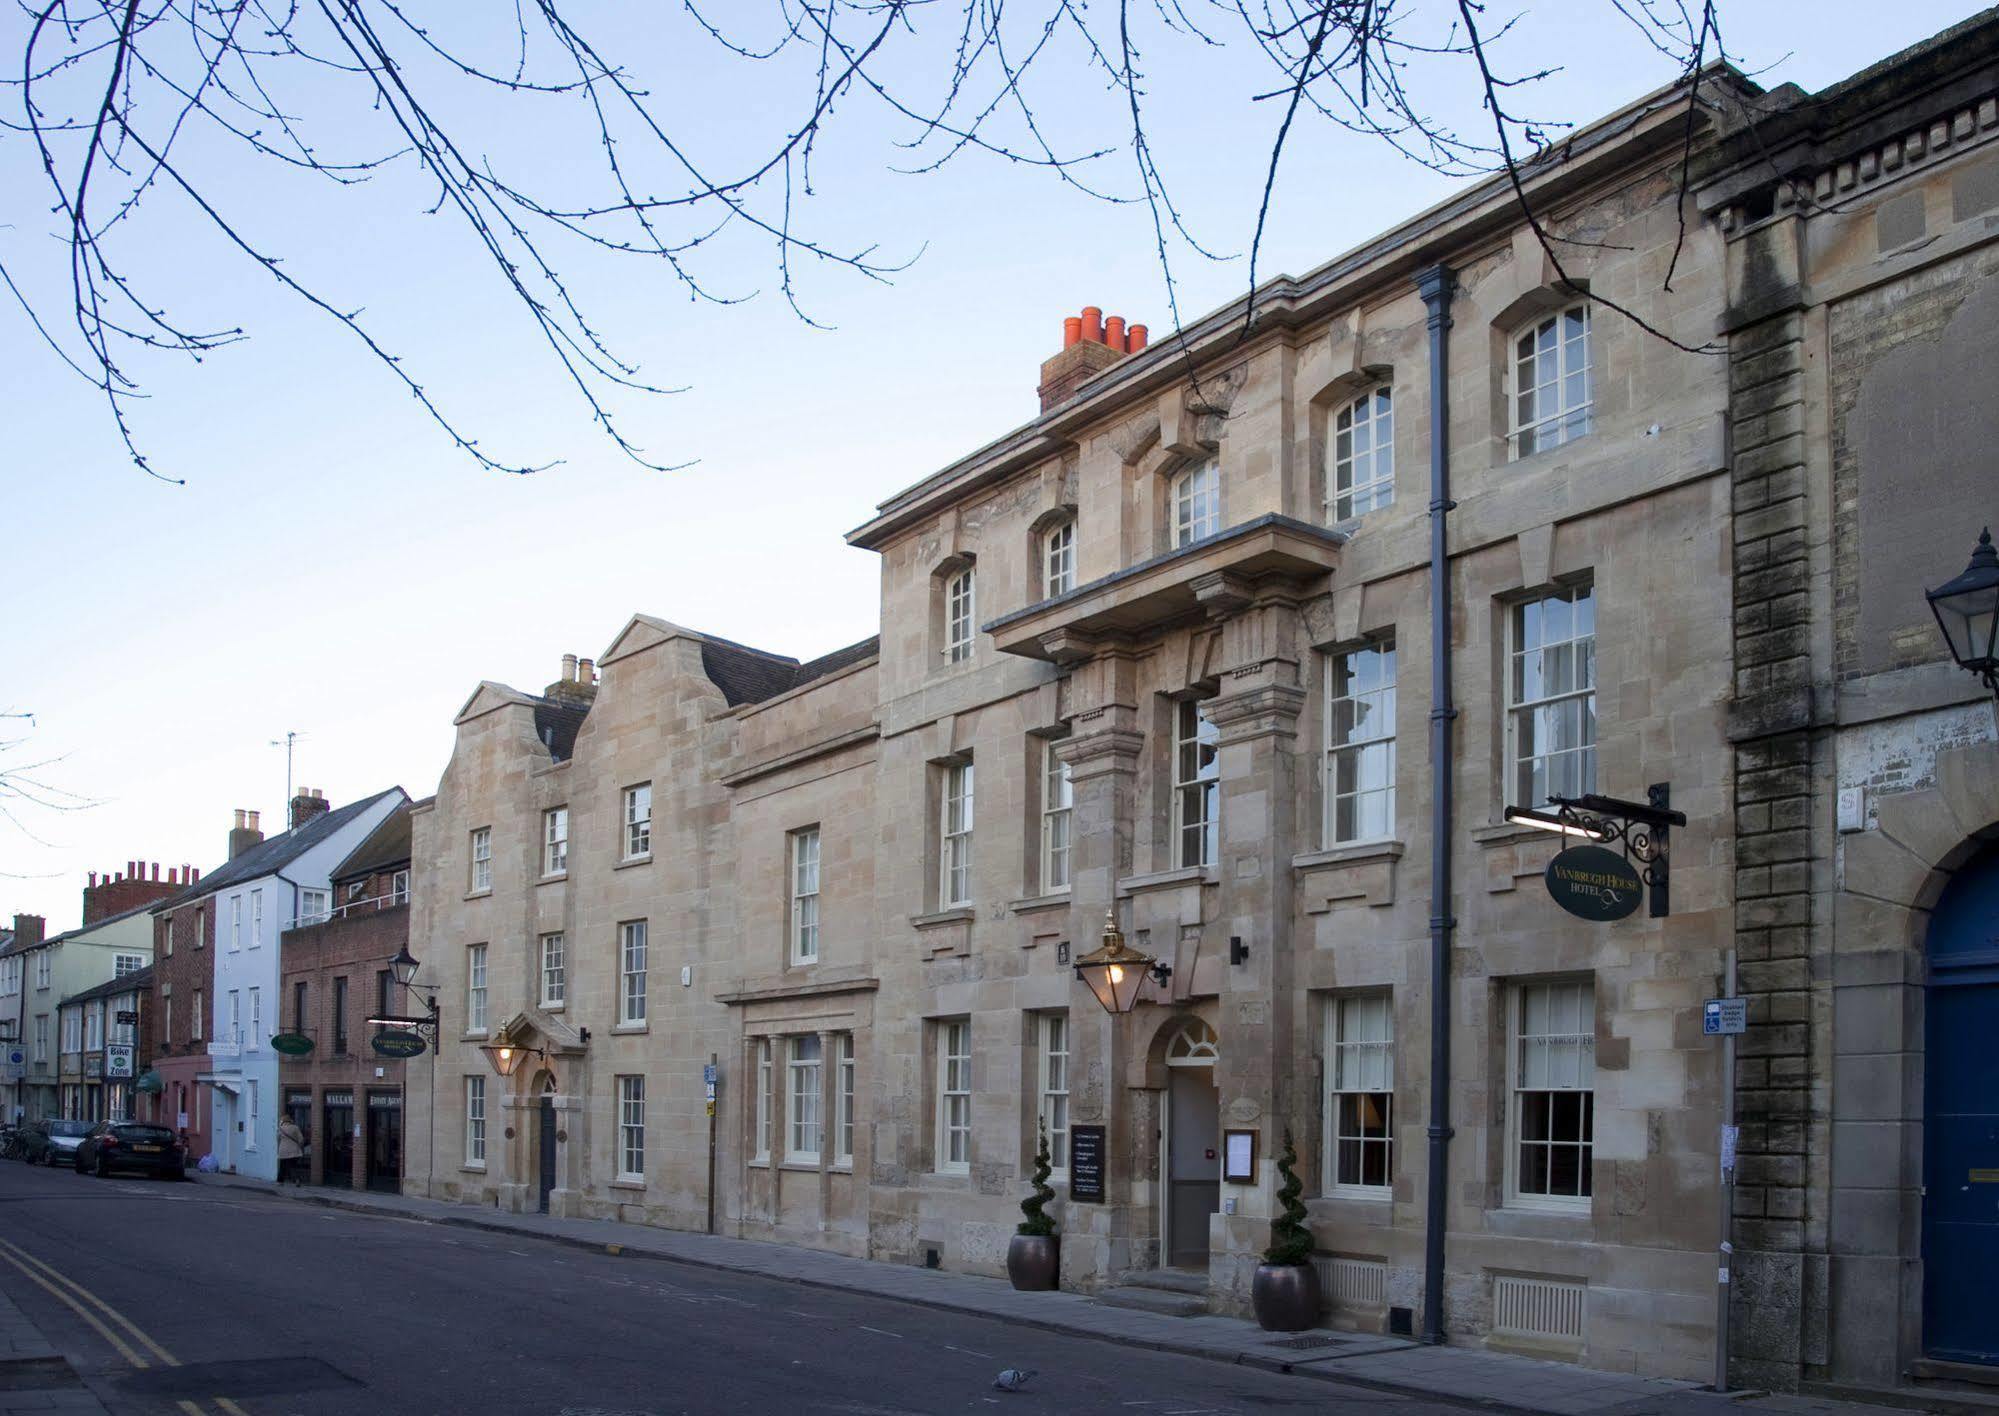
pixel 1892 878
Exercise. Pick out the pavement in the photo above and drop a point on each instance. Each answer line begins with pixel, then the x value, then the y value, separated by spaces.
pixel 1392 1367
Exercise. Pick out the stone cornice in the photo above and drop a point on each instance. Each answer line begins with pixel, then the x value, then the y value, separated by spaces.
pixel 825 988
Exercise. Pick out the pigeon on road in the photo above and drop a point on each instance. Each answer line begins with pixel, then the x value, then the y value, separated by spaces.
pixel 1012 1379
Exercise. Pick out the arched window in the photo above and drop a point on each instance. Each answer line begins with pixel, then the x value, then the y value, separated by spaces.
pixel 1194 1045
pixel 959 616
pixel 1058 559
pixel 1553 386
pixel 1363 454
pixel 1196 503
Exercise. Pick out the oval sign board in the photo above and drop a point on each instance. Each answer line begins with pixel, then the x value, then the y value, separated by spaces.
pixel 397 1043
pixel 1593 883
pixel 291 1044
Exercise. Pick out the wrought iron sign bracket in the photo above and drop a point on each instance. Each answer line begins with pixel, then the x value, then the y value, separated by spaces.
pixel 1642 829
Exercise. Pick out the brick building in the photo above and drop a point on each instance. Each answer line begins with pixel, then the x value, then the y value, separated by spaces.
pixel 1160 654
pixel 183 983
pixel 335 975
pixel 109 1024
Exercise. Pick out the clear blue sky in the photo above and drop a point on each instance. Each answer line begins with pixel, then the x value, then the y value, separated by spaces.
pixel 334 567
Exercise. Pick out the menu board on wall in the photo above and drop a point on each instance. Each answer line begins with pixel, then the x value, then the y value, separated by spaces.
pixel 1086 1163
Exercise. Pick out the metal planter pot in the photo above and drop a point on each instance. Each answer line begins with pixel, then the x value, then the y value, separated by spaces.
pixel 1033 1261
pixel 1285 1296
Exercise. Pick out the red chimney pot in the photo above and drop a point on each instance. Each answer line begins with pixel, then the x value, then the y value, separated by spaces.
pixel 1114 332
pixel 1135 340
pixel 1072 330
pixel 1093 324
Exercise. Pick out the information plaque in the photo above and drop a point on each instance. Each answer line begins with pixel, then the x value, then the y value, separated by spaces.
pixel 1086 1164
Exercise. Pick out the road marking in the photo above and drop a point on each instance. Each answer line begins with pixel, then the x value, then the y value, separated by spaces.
pixel 27 1263
pixel 968 1352
pixel 880 1331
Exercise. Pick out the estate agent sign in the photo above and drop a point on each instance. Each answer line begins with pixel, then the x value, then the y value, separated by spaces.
pixel 1593 883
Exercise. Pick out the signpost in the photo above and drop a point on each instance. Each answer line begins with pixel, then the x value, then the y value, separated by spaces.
pixel 1086 1164
pixel 1595 884
pixel 118 1060
pixel 15 1067
pixel 397 1043
pixel 1726 1017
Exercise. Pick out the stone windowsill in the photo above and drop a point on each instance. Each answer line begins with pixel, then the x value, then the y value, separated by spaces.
pixel 474 1168
pixel 1167 879
pixel 479 1036
pixel 548 1007
pixel 1516 1218
pixel 622 1183
pixel 800 1167
pixel 1506 833
pixel 957 914
pixel 630 1029
pixel 758 1162
pixel 629 861
pixel 552 877
pixel 469 894
pixel 948 1179
pixel 1035 904
pixel 1356 853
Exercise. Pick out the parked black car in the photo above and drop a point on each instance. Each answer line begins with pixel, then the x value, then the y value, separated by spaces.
pixel 53 1141
pixel 131 1145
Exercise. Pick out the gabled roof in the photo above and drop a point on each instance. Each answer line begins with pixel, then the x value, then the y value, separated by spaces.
pixel 276 853
pixel 16 946
pixel 137 981
pixel 387 846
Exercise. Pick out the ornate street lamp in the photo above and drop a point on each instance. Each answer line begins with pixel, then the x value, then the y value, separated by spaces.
pixel 404 966
pixel 1967 611
pixel 1115 971
pixel 506 1055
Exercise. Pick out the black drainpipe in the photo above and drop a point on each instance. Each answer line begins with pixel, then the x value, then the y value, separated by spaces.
pixel 1436 286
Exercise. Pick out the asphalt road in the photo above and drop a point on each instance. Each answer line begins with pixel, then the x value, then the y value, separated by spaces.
pixel 277 1308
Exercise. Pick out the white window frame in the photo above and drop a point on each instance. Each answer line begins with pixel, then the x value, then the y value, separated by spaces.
pixel 249 1113
pixel 1359 1063
pixel 1552 395
pixel 804 915
pixel 399 888
pixel 1058 816
pixel 1052 1090
pixel 482 860
pixel 632 1129
pixel 314 906
pixel 1197 788
pixel 256 918
pixel 960 615
pixel 1194 497
pixel 42 1034
pixel 954 1096
pixel 71 1039
pixel 1361 448
pixel 764 1082
pixel 42 968
pixel 475 988
pixel 199 1021
pixel 632 947
pixel 93 1026
pixel 954 836
pixel 554 970
pixel 1359 738
pixel 235 922
pixel 122 964
pixel 254 1040
pixel 805 1073
pixel 843 1102
pixel 1569 664
pixel 235 1037
pixel 638 821
pixel 475 1123
pixel 1058 558
pixel 555 841
pixel 1558 1051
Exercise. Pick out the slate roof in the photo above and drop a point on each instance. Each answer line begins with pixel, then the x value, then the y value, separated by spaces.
pixel 556 723
pixel 275 853
pixel 747 675
pixel 137 981
pixel 9 945
pixel 387 845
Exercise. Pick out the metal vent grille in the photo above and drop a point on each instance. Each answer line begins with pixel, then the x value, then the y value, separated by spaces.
pixel 1537 1307
pixel 1354 1283
pixel 1299 1344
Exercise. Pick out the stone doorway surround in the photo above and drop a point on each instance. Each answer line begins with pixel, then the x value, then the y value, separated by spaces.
pixel 1890 877
pixel 519 1183
pixel 1178 1038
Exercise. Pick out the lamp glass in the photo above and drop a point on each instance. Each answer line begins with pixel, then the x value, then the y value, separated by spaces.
pixel 1967 610
pixel 1114 972
pixel 404 966
pixel 504 1056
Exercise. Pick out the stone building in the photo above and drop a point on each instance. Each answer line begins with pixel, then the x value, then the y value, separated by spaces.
pixel 334 975
pixel 1169 654
pixel 1861 234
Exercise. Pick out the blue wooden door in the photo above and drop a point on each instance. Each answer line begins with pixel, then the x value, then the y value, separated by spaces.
pixel 1961 1119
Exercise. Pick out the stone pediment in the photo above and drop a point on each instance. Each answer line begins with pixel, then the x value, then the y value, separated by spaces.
pixel 531 1027
pixel 641 632
pixel 490 697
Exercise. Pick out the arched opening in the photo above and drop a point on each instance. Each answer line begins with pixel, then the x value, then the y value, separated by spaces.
pixel 1189 1144
pixel 1961 1116
pixel 542 1089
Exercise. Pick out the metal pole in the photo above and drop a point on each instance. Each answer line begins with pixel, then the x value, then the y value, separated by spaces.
pixel 1436 286
pixel 1725 1254
pixel 714 1060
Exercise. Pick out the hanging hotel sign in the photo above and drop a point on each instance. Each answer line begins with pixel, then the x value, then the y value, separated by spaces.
pixel 1593 883
pixel 291 1044
pixel 397 1043
pixel 1086 1163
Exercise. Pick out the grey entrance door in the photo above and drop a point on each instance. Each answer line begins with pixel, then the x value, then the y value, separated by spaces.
pixel 1193 1163
pixel 546 1137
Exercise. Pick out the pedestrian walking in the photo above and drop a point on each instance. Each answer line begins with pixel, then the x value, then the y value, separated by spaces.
pixel 291 1151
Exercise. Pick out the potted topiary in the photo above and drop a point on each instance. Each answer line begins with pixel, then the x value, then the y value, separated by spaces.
pixel 1032 1258
pixel 1285 1291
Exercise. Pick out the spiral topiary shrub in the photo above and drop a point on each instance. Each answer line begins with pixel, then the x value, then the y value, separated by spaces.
pixel 1038 1225
pixel 1290 1240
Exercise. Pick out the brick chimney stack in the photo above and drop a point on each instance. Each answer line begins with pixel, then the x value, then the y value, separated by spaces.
pixel 307 804
pixel 1090 344
pixel 245 834
pixel 28 929
pixel 108 894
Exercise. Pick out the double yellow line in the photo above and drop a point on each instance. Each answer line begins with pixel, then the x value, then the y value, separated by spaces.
pixel 75 1296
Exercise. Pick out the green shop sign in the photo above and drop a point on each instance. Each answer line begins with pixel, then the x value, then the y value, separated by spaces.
pixel 291 1044
pixel 1593 883
pixel 397 1043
